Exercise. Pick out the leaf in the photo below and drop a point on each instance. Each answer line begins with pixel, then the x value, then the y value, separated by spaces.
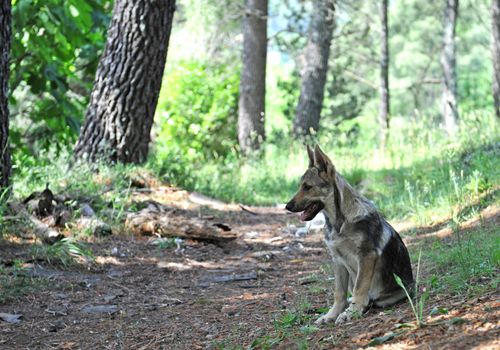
pixel 404 325
pixel 383 339
pixel 322 310
pixel 398 280
pixel 10 318
pixel 456 320
pixel 309 329
pixel 438 311
pixel 100 309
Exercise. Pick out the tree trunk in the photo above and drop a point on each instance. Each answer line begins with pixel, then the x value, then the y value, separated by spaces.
pixel 495 50
pixel 5 40
pixel 384 76
pixel 448 63
pixel 251 106
pixel 313 72
pixel 127 84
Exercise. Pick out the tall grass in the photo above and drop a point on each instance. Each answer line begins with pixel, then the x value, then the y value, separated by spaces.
pixel 422 175
pixel 100 185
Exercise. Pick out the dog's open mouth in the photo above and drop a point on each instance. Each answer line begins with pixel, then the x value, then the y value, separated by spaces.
pixel 311 211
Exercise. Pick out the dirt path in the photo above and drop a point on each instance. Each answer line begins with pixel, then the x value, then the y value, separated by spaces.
pixel 202 296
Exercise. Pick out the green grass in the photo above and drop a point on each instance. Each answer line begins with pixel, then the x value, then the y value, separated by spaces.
pixel 14 282
pixel 423 175
pixel 65 252
pixel 106 188
pixel 468 264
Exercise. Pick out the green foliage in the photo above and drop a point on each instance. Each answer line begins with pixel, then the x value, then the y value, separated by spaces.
pixel 467 266
pixel 199 110
pixel 79 181
pixel 382 339
pixel 422 176
pixel 207 30
pixel 14 282
pixel 286 326
pixel 106 188
pixel 64 252
pixel 421 297
pixel 56 46
pixel 4 193
pixel 289 87
pixel 197 115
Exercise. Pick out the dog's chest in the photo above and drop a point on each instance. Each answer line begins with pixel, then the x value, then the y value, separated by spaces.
pixel 342 250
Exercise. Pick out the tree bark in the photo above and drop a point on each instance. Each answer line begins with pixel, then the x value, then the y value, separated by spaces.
pixel 127 84
pixel 448 63
pixel 5 41
pixel 385 110
pixel 313 72
pixel 251 106
pixel 495 51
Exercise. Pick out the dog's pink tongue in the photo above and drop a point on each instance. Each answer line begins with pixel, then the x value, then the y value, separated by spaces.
pixel 303 216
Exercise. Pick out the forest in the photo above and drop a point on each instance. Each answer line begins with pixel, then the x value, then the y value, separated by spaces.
pixel 154 154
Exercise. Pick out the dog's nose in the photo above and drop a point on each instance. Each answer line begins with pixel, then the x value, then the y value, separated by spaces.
pixel 289 206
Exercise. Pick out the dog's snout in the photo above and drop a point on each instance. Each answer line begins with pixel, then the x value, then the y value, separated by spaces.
pixel 289 206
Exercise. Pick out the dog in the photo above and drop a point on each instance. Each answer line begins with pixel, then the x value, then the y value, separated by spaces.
pixel 366 250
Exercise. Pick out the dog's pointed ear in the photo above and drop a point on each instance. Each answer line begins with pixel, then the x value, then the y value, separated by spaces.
pixel 322 162
pixel 310 153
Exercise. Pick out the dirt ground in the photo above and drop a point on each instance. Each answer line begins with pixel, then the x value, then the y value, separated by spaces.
pixel 139 295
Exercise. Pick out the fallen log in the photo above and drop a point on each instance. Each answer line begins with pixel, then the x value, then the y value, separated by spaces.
pixel 44 232
pixel 151 221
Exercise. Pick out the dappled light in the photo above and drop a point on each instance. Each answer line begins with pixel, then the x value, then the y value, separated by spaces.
pixel 251 174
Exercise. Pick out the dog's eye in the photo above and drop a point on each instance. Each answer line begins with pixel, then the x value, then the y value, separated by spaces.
pixel 306 187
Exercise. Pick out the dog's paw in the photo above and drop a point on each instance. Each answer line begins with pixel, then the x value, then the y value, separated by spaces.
pixel 324 319
pixel 343 317
pixel 350 314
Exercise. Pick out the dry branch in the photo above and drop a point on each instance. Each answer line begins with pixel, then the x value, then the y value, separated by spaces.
pixel 41 230
pixel 171 223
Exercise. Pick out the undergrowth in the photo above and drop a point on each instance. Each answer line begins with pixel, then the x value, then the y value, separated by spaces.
pixel 422 176
pixel 467 264
pixel 14 282
pixel 65 252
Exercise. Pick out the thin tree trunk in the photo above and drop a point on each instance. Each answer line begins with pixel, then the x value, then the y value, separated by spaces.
pixel 127 84
pixel 448 63
pixel 251 106
pixel 313 72
pixel 495 51
pixel 5 41
pixel 385 110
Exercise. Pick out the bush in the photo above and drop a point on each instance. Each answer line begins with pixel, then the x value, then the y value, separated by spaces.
pixel 197 112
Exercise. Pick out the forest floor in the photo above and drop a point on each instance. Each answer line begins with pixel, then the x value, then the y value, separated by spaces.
pixel 261 290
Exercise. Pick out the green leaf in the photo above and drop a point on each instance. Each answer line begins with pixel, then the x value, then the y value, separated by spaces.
pixel 308 329
pixel 404 325
pixel 456 320
pixel 383 339
pixel 438 311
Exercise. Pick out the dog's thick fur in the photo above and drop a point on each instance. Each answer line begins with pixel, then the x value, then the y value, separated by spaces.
pixel 366 251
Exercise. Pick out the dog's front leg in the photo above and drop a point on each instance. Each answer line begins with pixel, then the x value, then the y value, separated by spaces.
pixel 360 298
pixel 340 296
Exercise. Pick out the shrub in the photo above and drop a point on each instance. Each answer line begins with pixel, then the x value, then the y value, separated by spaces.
pixel 197 112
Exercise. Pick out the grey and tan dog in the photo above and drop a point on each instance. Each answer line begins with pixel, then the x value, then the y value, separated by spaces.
pixel 366 251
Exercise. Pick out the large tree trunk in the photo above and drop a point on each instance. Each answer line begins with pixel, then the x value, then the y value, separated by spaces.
pixel 495 51
pixel 5 31
pixel 251 107
pixel 385 110
pixel 315 67
pixel 448 63
pixel 127 84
